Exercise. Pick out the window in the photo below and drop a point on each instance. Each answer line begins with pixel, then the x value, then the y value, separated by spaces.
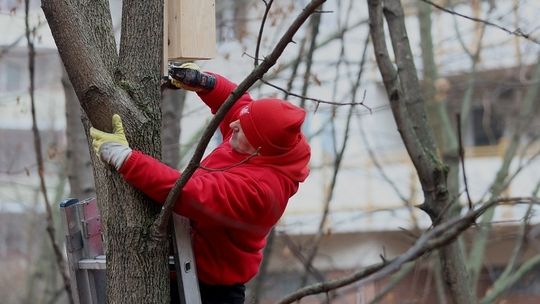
pixel 12 80
pixel 488 126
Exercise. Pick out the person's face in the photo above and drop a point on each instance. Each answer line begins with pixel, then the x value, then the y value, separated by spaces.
pixel 238 139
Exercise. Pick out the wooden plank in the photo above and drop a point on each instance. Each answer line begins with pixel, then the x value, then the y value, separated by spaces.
pixel 191 29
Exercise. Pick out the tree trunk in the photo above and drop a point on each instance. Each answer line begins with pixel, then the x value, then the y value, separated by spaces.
pixel 407 104
pixel 172 108
pixel 452 257
pixel 127 84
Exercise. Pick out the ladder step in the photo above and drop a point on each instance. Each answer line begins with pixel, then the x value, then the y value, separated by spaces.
pixel 99 263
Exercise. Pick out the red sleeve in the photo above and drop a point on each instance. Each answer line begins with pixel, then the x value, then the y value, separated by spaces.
pixel 216 197
pixel 149 175
pixel 217 96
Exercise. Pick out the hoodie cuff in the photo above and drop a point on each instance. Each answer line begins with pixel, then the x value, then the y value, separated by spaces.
pixel 129 162
pixel 215 97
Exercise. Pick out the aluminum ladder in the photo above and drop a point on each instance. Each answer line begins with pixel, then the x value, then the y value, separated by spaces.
pixel 87 261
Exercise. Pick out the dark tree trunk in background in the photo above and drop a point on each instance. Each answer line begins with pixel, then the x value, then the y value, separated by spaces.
pixel 78 163
pixel 172 107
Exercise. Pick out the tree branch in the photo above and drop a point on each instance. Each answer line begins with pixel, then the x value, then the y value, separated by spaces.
pixel 318 101
pixel 437 237
pixel 517 32
pixel 39 157
pixel 462 159
pixel 95 87
pixel 336 167
pixel 267 5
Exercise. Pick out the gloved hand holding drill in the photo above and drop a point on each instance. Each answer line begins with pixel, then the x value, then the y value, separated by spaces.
pixel 188 76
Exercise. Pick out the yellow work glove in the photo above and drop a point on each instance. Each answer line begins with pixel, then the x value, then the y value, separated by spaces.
pixel 188 76
pixel 112 148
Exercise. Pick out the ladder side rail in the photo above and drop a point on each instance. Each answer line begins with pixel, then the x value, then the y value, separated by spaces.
pixel 186 272
pixel 74 246
pixel 92 246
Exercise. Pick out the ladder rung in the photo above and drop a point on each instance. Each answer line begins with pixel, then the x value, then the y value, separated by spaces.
pixel 99 263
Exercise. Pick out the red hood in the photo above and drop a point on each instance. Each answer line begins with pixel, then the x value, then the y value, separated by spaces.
pixel 293 164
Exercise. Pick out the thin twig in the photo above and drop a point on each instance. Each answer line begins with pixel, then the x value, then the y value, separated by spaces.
pixel 337 165
pixel 437 237
pixel 314 31
pixel 268 5
pixel 353 103
pixel 39 157
pixel 462 159
pixel 5 49
pixel 517 32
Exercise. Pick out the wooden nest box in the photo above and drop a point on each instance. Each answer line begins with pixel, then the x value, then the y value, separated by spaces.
pixel 189 30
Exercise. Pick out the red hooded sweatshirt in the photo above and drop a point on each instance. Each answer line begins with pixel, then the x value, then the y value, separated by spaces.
pixel 232 203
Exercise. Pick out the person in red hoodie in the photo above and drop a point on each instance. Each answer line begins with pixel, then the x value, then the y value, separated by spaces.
pixel 241 188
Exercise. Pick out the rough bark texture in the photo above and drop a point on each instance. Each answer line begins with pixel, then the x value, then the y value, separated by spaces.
pixel 106 83
pixel 407 106
pixel 435 96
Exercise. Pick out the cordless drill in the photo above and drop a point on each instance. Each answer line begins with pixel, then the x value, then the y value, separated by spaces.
pixel 191 77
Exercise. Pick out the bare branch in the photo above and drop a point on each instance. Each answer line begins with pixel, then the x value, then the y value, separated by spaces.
pixel 352 103
pixel 336 35
pixel 437 237
pixel 337 162
pixel 462 159
pixel 39 157
pixel 517 32
pixel 5 49
pixel 314 31
pixel 301 257
pixel 268 5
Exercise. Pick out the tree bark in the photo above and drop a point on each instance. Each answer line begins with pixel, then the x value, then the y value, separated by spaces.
pixel 407 104
pixel 127 84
